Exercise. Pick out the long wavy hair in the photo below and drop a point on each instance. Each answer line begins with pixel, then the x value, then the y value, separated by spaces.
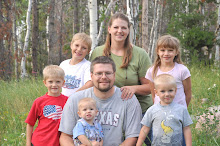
pixel 127 45
pixel 167 41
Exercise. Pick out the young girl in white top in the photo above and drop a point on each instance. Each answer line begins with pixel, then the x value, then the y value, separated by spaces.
pixel 168 61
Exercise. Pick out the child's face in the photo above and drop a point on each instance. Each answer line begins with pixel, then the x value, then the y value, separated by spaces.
pixel 167 54
pixel 79 50
pixel 166 92
pixel 54 85
pixel 87 111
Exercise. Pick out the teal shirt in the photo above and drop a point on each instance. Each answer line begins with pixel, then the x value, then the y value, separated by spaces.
pixel 137 68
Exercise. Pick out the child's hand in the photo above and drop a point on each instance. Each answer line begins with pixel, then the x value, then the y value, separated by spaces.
pixel 95 143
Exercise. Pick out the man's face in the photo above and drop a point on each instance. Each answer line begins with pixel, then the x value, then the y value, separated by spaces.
pixel 103 77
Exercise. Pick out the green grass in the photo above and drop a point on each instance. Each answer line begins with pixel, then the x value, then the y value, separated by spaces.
pixel 16 99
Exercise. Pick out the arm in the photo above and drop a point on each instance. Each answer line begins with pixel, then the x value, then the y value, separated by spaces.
pixel 129 141
pixel 152 90
pixel 187 90
pixel 143 89
pixel 88 84
pixel 85 141
pixel 187 135
pixel 143 134
pixel 66 140
pixel 29 130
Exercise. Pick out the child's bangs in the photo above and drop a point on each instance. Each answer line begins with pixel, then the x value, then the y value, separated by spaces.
pixel 168 43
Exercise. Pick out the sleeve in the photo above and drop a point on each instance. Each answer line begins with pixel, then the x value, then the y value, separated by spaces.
pixel 185 73
pixel 147 118
pixel 132 125
pixel 186 118
pixel 96 52
pixel 69 116
pixel 87 76
pixel 78 130
pixel 33 114
pixel 149 74
pixel 144 63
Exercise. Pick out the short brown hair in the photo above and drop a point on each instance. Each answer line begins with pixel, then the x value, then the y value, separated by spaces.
pixel 83 37
pixel 102 60
pixel 164 79
pixel 53 71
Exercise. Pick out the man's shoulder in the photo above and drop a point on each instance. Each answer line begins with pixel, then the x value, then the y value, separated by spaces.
pixel 80 94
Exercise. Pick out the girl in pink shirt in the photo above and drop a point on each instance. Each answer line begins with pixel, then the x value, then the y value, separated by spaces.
pixel 168 61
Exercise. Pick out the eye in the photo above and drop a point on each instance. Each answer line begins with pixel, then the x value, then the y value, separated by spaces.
pixel 84 48
pixel 91 109
pixel 84 109
pixel 162 91
pixel 124 28
pixel 162 50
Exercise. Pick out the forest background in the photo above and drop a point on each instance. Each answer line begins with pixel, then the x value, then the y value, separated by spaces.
pixel 35 33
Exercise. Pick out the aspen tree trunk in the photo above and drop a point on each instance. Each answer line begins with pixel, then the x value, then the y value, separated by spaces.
pixel 145 25
pixel 23 61
pixel 152 31
pixel 92 4
pixel 15 42
pixel 187 6
pixel 217 60
pixel 132 12
pixel 155 33
pixel 35 38
pixel 107 11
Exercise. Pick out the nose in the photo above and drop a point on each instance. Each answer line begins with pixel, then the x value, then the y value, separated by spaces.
pixel 119 29
pixel 166 52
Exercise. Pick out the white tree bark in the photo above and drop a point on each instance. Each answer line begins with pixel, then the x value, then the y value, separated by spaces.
pixel 47 32
pixel 92 4
pixel 151 51
pixel 132 12
pixel 155 32
pixel 15 41
pixel 217 60
pixel 107 11
pixel 145 25
pixel 187 6
pixel 26 42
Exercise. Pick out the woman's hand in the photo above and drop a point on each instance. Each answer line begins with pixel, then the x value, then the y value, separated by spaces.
pixel 127 92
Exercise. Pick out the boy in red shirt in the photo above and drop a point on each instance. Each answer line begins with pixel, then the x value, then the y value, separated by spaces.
pixel 47 109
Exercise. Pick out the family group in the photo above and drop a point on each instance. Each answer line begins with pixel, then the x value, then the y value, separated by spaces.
pixel 116 97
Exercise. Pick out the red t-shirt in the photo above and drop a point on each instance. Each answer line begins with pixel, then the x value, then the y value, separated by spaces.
pixel 47 110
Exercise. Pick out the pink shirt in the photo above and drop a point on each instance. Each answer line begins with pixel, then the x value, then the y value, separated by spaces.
pixel 180 73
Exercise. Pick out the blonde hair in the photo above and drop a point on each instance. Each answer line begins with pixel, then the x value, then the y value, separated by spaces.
pixel 86 100
pixel 84 38
pixel 53 71
pixel 167 41
pixel 127 45
pixel 164 79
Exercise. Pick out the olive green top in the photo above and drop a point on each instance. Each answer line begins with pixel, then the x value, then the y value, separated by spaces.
pixel 137 68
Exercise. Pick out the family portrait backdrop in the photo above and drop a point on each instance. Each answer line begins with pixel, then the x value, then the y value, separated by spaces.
pixel 36 33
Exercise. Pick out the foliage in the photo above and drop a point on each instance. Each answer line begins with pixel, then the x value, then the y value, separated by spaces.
pixel 192 33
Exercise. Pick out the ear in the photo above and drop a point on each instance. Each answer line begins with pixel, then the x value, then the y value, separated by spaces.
pixel 44 82
pixel 63 83
pixel 155 91
pixel 109 28
pixel 79 113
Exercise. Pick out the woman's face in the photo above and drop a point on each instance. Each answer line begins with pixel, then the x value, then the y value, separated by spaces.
pixel 119 30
